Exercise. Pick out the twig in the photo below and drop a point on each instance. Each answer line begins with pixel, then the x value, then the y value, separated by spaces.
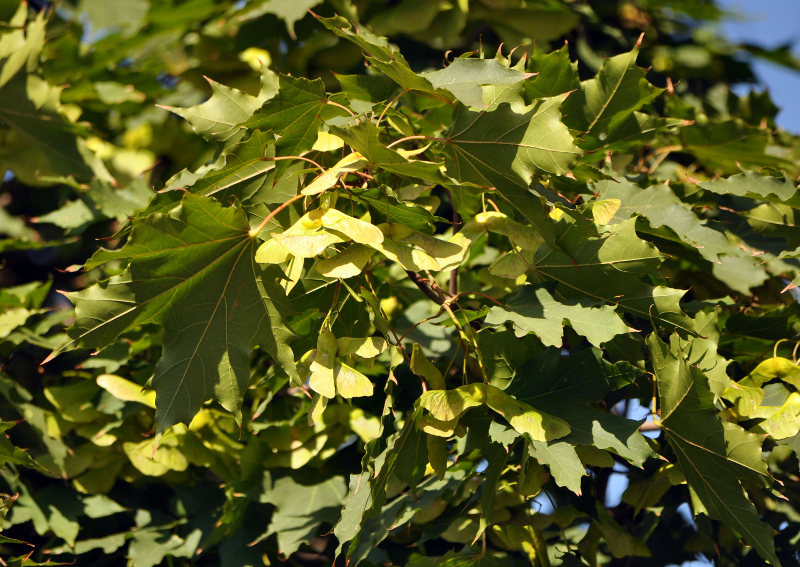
pixel 254 232
pixel 340 106
pixel 389 105
pixel 457 223
pixel 425 287
pixel 415 137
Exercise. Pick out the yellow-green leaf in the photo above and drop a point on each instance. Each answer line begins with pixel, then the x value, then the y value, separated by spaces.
pixel 355 229
pixel 272 252
pixel 350 383
pixel 433 426
pixel 367 347
pixel 327 179
pixel 447 405
pixel 603 211
pixel 322 369
pixel 348 263
pixel 306 245
pixel 421 366
pixel 126 390
pixel 167 456
pixel 525 419
pixel 437 454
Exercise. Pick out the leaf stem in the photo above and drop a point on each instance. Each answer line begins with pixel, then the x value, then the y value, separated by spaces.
pixel 457 223
pixel 394 333
pixel 389 105
pixel 415 137
pixel 254 232
pixel 457 295
pixel 425 320
pixel 343 107
pixel 311 161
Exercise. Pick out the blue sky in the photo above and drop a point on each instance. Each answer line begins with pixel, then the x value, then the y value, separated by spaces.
pixel 771 23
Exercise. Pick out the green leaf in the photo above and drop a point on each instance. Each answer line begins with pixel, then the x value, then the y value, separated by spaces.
pixel 14 317
pixel 496 455
pixel 382 56
pixel 364 137
pixel 300 509
pixel 385 207
pixel 41 142
pixel 620 542
pixel 129 18
pixel 544 22
pixel 74 214
pixel 555 74
pixel 528 143
pixel 464 77
pixel 563 462
pixel 295 114
pixel 356 503
pixel 729 146
pixel 636 129
pixel 219 117
pixel 412 458
pixel 754 185
pixel 406 17
pixel 618 89
pixel 606 264
pixel 21 43
pixel 9 453
pixel 192 271
pixel 239 173
pixel 290 11
pixel 712 454
pixel 151 544
pixel 570 389
pixel 661 207
pixel 535 311
pixel 503 352
pixel 647 492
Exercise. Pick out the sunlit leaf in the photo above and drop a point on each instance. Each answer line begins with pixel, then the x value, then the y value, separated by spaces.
pixel 350 383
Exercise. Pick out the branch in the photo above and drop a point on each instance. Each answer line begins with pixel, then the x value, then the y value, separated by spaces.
pixel 457 224
pixel 425 287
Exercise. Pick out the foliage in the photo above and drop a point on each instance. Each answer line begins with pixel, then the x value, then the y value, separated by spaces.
pixel 413 313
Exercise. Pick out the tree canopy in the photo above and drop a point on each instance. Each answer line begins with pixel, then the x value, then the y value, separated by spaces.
pixel 412 283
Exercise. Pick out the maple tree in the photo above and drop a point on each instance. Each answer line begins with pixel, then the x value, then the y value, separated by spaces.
pixel 369 301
